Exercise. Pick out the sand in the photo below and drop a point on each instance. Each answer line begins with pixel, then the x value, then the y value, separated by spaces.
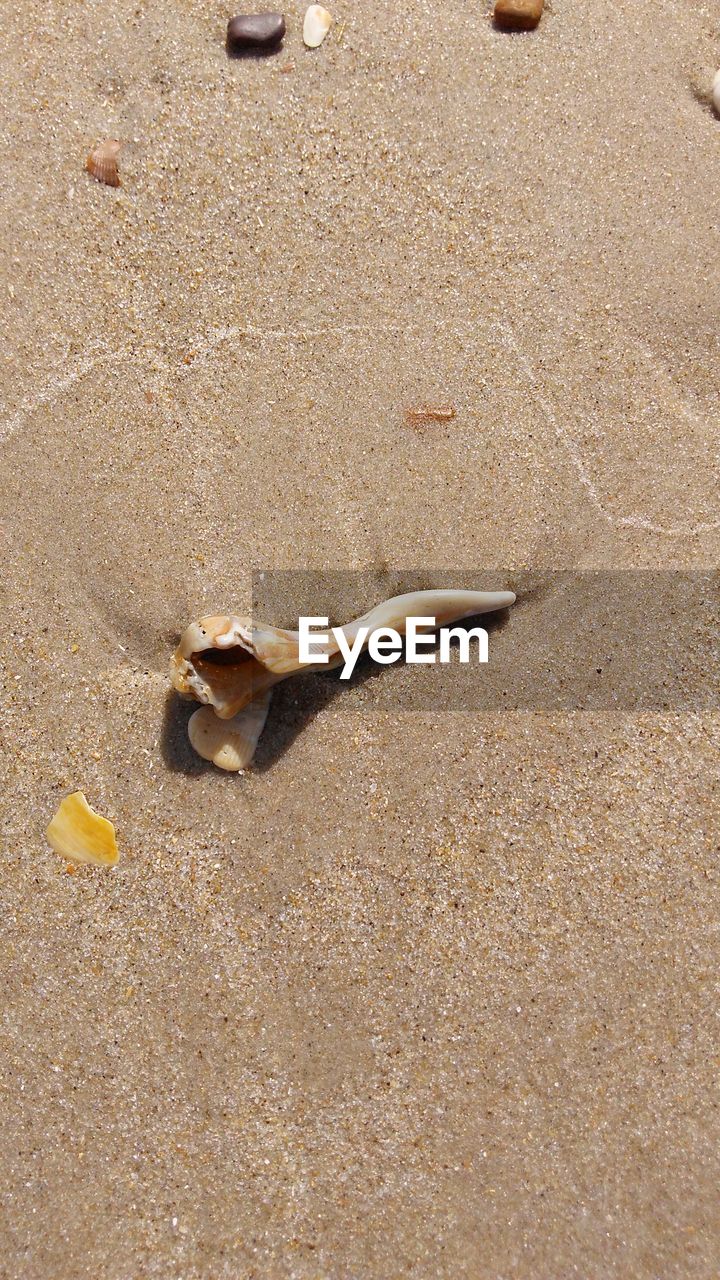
pixel 427 994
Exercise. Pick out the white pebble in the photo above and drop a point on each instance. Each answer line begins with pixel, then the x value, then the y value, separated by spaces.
pixel 716 92
pixel 316 25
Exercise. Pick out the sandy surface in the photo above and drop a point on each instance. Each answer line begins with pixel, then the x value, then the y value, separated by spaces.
pixel 425 995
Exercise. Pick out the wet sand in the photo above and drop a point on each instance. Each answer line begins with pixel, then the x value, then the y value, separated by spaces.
pixel 425 995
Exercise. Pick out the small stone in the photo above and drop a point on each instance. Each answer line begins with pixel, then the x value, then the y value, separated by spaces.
pixel 716 92
pixel 518 15
pixel 250 31
pixel 316 25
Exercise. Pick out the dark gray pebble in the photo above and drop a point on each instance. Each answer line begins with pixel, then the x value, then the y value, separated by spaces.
pixel 255 31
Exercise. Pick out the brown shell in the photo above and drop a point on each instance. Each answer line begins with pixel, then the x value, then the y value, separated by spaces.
pixel 429 413
pixel 102 163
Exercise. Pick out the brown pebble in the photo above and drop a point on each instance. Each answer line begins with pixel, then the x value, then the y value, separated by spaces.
pixel 518 15
pixel 259 31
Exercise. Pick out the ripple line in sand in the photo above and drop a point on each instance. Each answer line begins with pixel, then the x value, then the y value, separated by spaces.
pixel 576 457
pixel 202 349
pixel 57 385
pixel 208 346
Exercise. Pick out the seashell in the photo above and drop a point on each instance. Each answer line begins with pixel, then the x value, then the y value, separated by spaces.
pixel 102 163
pixel 716 92
pixel 230 664
pixel 80 834
pixel 227 662
pixel 230 744
pixel 316 25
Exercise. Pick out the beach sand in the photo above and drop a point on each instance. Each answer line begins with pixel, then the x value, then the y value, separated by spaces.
pixel 425 995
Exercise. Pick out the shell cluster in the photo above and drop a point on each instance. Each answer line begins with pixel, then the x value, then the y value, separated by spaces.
pixel 230 665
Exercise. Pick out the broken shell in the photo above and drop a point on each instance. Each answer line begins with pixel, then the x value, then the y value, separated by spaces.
pixel 316 25
pixel 80 834
pixel 716 92
pixel 429 413
pixel 230 664
pixel 102 163
pixel 227 662
pixel 230 744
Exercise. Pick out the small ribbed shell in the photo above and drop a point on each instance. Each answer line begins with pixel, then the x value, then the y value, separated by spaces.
pixel 102 163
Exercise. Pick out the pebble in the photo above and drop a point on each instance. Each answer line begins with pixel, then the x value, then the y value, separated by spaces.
pixel 250 31
pixel 518 15
pixel 716 92
pixel 316 25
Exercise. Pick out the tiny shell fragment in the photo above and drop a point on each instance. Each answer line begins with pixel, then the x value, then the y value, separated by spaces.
pixel 316 25
pixel 102 163
pixel 79 834
pixel 518 15
pixel 429 413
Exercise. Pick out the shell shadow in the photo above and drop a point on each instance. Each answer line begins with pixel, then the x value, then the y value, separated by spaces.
pixel 174 742
pixel 297 701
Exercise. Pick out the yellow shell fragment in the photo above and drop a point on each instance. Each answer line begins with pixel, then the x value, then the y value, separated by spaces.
pixel 316 25
pixel 79 834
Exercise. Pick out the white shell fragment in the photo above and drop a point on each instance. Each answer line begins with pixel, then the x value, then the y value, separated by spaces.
pixel 716 92
pixel 316 25
pixel 230 664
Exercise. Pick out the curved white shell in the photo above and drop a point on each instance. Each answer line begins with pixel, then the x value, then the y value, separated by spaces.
pixel 230 744
pixel 716 92
pixel 259 656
